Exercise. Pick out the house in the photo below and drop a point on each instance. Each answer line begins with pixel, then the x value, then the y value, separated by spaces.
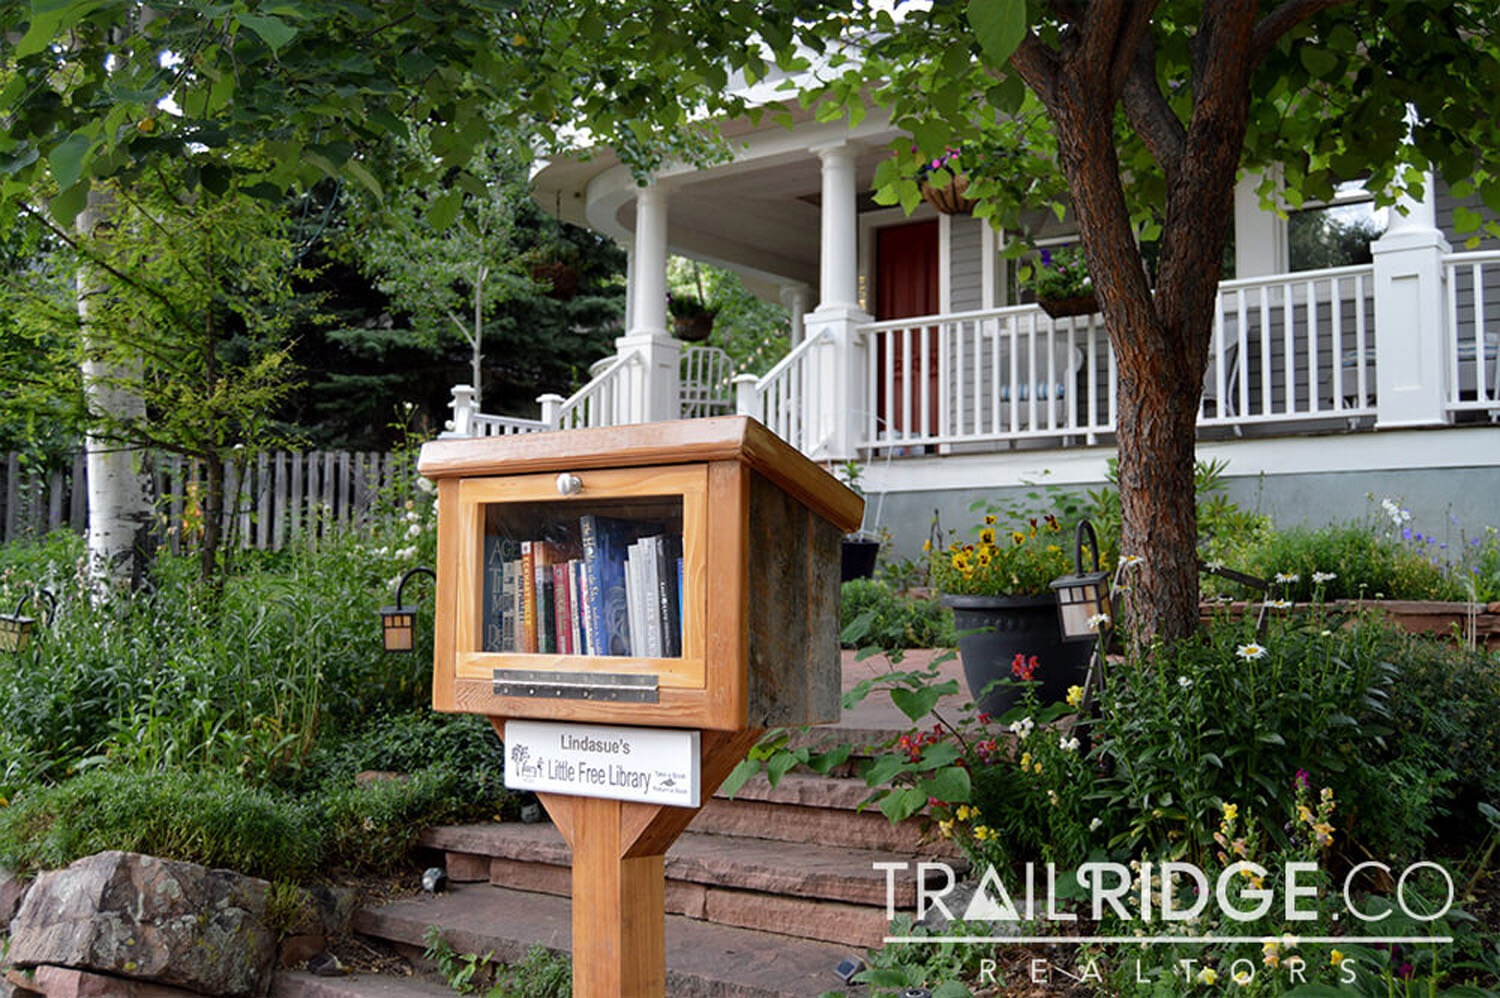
pixel 915 353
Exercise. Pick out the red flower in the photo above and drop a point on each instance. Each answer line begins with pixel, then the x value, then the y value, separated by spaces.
pixel 1023 667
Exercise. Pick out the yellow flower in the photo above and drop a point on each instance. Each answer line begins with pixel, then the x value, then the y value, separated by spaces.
pixel 983 558
pixel 1231 811
pixel 1335 958
pixel 1207 975
pixel 990 520
pixel 1037 768
pixel 1304 814
pixel 946 828
pixel 983 833
pixel 927 545
pixel 1017 538
pixel 1025 760
pixel 964 812
pixel 1075 696
pixel 987 535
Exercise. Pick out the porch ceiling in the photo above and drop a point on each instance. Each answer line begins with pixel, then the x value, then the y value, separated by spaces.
pixel 758 214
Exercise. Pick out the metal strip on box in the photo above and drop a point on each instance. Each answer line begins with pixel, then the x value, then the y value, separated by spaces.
pixel 611 687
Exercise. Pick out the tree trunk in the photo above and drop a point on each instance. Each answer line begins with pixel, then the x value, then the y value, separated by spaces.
pixel 121 538
pixel 213 515
pixel 1157 400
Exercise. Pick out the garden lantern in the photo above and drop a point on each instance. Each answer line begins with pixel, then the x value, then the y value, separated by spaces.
pixel 398 623
pixel 1083 597
pixel 15 630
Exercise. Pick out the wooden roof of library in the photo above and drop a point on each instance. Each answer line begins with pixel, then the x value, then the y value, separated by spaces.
pixel 683 441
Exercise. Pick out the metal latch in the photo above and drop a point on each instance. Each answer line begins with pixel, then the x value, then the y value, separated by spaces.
pixel 617 687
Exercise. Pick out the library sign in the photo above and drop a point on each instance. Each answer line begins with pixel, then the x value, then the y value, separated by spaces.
pixel 649 765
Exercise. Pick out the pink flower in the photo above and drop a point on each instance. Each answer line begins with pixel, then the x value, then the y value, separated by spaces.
pixel 1302 779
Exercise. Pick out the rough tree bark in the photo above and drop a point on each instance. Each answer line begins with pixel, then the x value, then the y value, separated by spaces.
pixel 121 537
pixel 1161 340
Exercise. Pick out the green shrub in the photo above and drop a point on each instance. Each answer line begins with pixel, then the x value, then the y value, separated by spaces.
pixel 1447 705
pixel 1364 565
pixel 895 621
pixel 204 817
pixel 371 825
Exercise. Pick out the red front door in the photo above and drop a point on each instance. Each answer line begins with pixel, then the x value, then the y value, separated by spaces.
pixel 906 284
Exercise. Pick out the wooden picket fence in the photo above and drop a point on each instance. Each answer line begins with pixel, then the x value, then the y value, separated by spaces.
pixel 270 499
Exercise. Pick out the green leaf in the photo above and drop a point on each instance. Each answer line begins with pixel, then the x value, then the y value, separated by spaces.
pixel 39 33
pixel 365 177
pixel 444 209
pixel 951 989
pixel 999 25
pixel 779 764
pixel 1318 61
pixel 883 768
pixel 272 30
pixel 915 704
pixel 66 206
pixel 67 157
pixel 739 776
pixel 898 805
pixel 824 761
pixel 950 784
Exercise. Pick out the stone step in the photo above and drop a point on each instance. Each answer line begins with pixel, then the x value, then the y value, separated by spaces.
pixel 300 984
pixel 832 873
pixel 704 960
pixel 827 921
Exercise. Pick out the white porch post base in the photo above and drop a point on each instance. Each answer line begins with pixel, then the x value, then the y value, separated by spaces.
pixel 835 409
pixel 1410 319
pixel 651 390
pixel 464 408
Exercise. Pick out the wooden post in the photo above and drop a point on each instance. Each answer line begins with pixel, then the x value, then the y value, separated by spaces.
pixel 619 875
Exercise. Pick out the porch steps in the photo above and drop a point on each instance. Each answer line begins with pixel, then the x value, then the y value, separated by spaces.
pixel 704 960
pixel 301 984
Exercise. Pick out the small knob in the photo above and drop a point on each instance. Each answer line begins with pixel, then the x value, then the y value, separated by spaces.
pixel 569 485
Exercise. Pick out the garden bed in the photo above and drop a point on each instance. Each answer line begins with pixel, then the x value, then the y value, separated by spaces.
pixel 1438 618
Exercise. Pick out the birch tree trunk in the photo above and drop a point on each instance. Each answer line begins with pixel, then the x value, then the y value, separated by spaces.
pixel 120 534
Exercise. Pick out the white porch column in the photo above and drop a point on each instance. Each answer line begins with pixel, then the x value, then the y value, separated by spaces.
pixel 629 322
pixel 652 389
pixel 462 423
pixel 835 408
pixel 1410 315
pixel 794 300
pixel 1260 247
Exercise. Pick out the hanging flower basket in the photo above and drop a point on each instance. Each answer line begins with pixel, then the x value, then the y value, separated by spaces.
pixel 949 199
pixel 561 278
pixel 1060 308
pixel 693 328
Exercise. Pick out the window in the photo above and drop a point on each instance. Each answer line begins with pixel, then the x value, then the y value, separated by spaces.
pixel 1335 234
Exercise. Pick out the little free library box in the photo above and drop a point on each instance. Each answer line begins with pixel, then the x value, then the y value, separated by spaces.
pixel 681 574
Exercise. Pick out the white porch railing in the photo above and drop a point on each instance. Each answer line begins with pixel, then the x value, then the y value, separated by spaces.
pixel 1473 343
pixel 998 374
pixel 1292 347
pixel 707 389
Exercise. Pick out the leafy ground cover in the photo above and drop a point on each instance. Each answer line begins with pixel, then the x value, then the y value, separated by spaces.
pixel 224 722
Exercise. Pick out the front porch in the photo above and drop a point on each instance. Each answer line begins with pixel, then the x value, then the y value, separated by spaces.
pixel 1404 342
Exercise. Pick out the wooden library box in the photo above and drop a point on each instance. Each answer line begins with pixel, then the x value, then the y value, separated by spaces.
pixel 681 574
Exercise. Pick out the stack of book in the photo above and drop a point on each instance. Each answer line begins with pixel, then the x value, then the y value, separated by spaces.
pixel 615 591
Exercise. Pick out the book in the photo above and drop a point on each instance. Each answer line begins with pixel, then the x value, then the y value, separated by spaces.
pixel 510 575
pixel 517 608
pixel 564 603
pixel 669 610
pixel 528 598
pixel 604 543
pixel 575 606
pixel 650 610
pixel 585 621
pixel 679 595
pixel 633 598
pixel 546 610
pixel 492 615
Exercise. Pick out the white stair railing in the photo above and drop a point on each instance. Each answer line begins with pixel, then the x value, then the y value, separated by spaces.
pixel 607 400
pixel 780 398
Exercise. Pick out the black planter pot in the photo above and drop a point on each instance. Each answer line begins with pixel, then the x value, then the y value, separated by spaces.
pixel 1005 626
pixel 859 559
